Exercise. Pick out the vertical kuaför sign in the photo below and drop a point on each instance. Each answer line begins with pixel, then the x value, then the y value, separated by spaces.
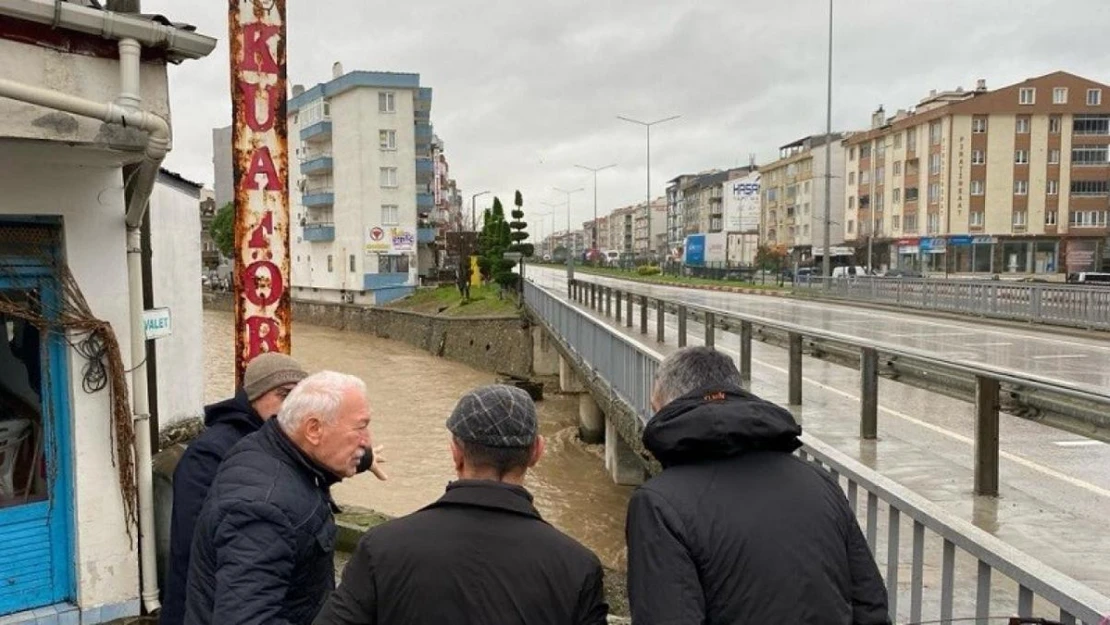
pixel 260 162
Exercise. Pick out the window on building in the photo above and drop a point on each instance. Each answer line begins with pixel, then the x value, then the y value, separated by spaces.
pixel 977 187
pixel 911 194
pixel 852 154
pixel 879 202
pixel 934 164
pixel 911 139
pixel 1054 124
pixel 1094 97
pixel 851 201
pixel 880 175
pixel 897 141
pixel 807 187
pixel 975 219
pixel 1060 95
pixel 805 230
pixel 880 149
pixel 896 196
pixel 979 125
pixel 1050 218
pixel 1053 187
pixel 391 215
pixel 865 151
pixel 1088 219
pixel 393 263
pixel 389 176
pixel 1021 187
pixel 1090 187
pixel 934 193
pixel 851 177
pixel 1021 157
pixel 977 157
pixel 352 269
pixel 331 264
pixel 1022 126
pixel 1089 155
pixel 387 102
pixel 387 139
pixel 897 168
pixel 851 226
pixel 932 223
pixel 1019 219
pixel 865 177
pixel 934 133
pixel 1091 125
pixel 1027 95
pixel 1054 156
pixel 865 201
pixel 910 223
pixel 895 222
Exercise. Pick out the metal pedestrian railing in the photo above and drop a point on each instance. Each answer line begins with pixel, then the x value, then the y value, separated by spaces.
pixel 1051 304
pixel 944 550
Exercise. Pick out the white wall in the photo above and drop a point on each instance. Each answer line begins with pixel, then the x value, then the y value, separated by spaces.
pixel 90 201
pixel 175 244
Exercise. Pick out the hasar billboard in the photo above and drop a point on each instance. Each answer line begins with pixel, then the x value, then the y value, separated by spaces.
pixel 741 204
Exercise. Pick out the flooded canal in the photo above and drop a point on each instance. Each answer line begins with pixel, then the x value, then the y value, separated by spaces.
pixel 411 395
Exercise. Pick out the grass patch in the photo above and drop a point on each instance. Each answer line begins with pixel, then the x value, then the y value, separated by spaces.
pixel 445 300
pixel 674 280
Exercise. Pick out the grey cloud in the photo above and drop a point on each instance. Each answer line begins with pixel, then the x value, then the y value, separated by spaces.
pixel 525 89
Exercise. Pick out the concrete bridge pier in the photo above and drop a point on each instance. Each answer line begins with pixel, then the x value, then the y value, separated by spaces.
pixel 621 461
pixel 545 358
pixel 591 421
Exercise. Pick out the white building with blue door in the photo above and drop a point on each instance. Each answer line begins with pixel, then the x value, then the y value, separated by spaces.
pixel 74 185
pixel 361 185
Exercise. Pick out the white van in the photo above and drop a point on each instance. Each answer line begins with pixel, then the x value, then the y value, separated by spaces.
pixel 850 271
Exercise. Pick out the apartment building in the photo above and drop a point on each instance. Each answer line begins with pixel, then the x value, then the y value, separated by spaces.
pixel 793 196
pixel 1010 181
pixel 642 247
pixel 362 178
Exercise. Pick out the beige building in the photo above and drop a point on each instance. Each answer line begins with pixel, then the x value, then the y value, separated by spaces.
pixel 658 217
pixel 793 196
pixel 1015 180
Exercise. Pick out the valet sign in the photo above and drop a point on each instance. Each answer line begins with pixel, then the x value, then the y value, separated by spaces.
pixel 260 164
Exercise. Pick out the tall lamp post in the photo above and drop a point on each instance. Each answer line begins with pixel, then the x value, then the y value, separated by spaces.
pixel 570 255
pixel 647 126
pixel 826 261
pixel 473 214
pixel 594 170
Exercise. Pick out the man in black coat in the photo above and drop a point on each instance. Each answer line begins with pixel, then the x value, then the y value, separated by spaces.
pixel 481 554
pixel 263 551
pixel 267 380
pixel 737 529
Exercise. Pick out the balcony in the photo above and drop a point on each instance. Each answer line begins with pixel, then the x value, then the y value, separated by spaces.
pixel 425 171
pixel 320 131
pixel 315 198
pixel 425 235
pixel 319 232
pixel 317 165
pixel 425 201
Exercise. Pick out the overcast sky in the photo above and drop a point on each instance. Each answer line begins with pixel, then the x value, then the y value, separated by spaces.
pixel 526 89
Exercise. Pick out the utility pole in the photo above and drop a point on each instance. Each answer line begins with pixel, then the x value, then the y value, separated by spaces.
pixel 570 252
pixel 473 214
pixel 826 261
pixel 593 245
pixel 648 125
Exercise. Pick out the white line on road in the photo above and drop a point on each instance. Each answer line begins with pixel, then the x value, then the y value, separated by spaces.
pixel 987 344
pixel 1083 443
pixel 1058 356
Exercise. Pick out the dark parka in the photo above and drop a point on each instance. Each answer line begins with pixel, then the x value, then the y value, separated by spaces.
pixel 265 539
pixel 479 555
pixel 738 530
pixel 226 423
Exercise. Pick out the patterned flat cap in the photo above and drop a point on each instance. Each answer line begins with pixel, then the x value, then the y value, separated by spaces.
pixel 495 416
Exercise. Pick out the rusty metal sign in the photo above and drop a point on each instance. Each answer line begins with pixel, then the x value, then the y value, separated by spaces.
pixel 260 162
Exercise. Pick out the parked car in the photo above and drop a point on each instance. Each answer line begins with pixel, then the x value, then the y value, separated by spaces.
pixel 903 273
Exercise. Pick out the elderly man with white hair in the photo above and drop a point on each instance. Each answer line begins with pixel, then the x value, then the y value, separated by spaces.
pixel 265 539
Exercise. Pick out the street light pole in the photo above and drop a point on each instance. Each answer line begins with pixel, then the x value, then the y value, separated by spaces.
pixel 826 261
pixel 570 255
pixel 593 246
pixel 648 125
pixel 473 215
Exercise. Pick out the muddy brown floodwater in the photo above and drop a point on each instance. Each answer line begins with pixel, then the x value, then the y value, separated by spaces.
pixel 411 395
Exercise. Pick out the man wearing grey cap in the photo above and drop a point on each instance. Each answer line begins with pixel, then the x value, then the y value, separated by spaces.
pixel 482 553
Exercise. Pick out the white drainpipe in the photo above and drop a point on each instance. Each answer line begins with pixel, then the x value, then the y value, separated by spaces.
pixel 125 111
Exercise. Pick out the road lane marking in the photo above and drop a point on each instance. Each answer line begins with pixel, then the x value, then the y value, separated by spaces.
pixel 1058 356
pixel 1083 443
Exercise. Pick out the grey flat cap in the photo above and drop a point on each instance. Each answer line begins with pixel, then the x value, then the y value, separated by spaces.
pixel 495 416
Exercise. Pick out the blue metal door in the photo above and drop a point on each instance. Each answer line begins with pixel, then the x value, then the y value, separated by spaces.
pixel 36 502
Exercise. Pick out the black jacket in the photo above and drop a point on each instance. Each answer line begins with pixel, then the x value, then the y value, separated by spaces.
pixel 264 547
pixel 481 555
pixel 226 423
pixel 738 530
